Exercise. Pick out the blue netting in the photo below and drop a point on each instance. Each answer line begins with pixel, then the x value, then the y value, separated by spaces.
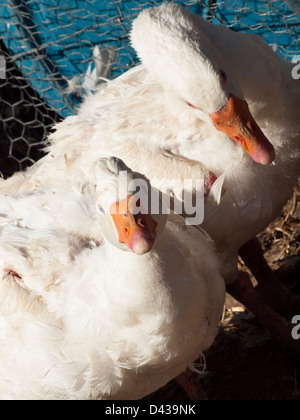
pixel 53 42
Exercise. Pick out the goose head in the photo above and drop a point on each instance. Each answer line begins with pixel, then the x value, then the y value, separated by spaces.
pixel 172 46
pixel 123 199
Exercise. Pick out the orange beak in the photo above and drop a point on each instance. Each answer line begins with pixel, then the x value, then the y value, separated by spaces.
pixel 137 231
pixel 235 120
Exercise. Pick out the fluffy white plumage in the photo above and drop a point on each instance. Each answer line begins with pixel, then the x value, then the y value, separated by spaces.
pixel 81 317
pixel 142 117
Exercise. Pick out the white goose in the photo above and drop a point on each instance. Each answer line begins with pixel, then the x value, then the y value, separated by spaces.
pixel 183 114
pixel 84 317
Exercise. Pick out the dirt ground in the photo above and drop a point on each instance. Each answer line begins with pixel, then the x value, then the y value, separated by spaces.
pixel 245 363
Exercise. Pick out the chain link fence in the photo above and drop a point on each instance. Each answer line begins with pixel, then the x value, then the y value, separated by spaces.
pixel 53 52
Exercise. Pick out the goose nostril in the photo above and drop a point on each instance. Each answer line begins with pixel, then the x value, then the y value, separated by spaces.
pixel 251 126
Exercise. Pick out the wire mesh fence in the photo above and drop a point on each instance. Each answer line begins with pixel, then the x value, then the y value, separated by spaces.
pixel 56 51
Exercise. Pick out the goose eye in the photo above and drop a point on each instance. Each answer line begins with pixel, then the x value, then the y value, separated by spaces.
pixel 101 209
pixel 223 75
pixel 189 104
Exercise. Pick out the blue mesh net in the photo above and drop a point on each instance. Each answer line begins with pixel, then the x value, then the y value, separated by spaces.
pixel 53 41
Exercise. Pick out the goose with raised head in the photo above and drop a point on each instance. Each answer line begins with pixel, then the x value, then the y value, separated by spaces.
pixel 203 104
pixel 99 299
